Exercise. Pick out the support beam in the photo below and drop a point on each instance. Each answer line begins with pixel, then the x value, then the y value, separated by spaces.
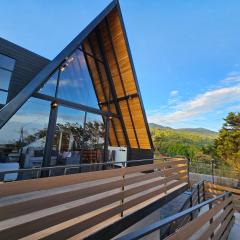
pixel 73 105
pixel 121 80
pixel 101 84
pixel 108 72
pixel 50 135
pixel 130 96
pixel 106 140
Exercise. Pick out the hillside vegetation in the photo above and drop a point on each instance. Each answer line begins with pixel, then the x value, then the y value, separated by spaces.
pixel 193 143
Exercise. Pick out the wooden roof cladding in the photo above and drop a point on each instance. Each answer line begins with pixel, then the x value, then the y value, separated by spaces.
pixel 114 80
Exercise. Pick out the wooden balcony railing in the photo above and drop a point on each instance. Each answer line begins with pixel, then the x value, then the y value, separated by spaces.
pixel 214 220
pixel 213 190
pixel 195 196
pixel 76 205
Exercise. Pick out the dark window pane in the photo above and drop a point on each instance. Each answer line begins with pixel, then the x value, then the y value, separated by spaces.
pixel 3 97
pixel 7 62
pixel 49 87
pixel 23 138
pixel 75 84
pixel 69 136
pixel 94 139
pixel 5 77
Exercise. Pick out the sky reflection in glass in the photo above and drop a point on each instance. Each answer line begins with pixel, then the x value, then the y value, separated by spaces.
pixel 75 84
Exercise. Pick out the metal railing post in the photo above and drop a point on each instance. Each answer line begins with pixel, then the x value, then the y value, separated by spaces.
pixel 198 192
pixel 211 220
pixel 191 205
pixel 188 165
pixel 2 176
pixel 212 173
pixel 38 173
pixel 49 173
pixel 164 175
pixel 123 186
pixel 204 197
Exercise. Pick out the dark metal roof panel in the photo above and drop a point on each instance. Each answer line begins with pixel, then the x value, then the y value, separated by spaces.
pixel 28 65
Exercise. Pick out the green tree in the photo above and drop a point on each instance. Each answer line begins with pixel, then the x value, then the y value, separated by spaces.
pixel 227 145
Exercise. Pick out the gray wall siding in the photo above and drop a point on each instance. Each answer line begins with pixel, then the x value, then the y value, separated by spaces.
pixel 27 65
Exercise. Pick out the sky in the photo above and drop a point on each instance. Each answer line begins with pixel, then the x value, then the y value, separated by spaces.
pixel 186 53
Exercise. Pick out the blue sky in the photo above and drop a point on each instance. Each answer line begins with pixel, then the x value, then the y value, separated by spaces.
pixel 186 53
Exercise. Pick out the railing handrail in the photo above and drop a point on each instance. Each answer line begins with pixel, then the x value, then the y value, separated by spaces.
pixel 157 225
pixel 189 200
pixel 83 165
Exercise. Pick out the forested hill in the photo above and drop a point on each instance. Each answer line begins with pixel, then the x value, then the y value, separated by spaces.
pixel 202 131
pixel 195 143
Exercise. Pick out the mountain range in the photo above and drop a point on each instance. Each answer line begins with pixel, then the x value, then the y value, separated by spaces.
pixel 203 131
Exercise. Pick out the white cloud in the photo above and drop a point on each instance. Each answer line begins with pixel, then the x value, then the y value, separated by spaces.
pixel 173 99
pixel 173 93
pixel 234 108
pixel 232 77
pixel 203 103
pixel 33 118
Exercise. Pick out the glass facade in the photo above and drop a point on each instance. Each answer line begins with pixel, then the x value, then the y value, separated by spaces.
pixel 5 77
pixel 49 88
pixel 7 62
pixel 79 137
pixel 94 136
pixel 3 97
pixel 23 137
pixel 75 84
pixel 70 126
pixel 6 67
pixel 69 134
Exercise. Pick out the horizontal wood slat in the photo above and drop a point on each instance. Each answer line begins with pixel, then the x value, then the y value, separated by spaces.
pixel 223 227
pixel 25 186
pixel 212 227
pixel 192 227
pixel 114 190
pixel 145 177
pixel 222 188
pixel 215 189
pixel 57 199
pixel 140 168
pixel 65 233
pixel 227 231
pixel 145 197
